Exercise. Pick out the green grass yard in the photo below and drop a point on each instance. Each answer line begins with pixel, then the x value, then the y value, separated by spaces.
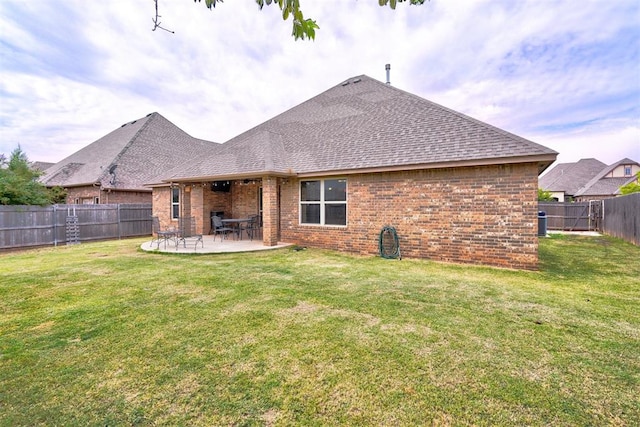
pixel 104 334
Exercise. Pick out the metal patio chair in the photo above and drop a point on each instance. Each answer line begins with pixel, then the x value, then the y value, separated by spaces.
pixel 187 232
pixel 161 235
pixel 219 228
pixel 253 226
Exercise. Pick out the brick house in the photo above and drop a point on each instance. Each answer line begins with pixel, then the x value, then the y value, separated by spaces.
pixel 332 171
pixel 116 167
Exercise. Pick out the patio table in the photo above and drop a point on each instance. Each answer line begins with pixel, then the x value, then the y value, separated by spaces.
pixel 238 222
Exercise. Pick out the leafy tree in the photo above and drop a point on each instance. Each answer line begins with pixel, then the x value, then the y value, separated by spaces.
pixel 19 183
pixel 544 196
pixel 58 195
pixel 303 28
pixel 632 187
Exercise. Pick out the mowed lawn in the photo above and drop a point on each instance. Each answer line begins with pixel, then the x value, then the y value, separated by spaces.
pixel 104 334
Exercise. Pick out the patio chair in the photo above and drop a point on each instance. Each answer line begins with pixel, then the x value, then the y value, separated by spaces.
pixel 219 228
pixel 187 231
pixel 253 226
pixel 161 235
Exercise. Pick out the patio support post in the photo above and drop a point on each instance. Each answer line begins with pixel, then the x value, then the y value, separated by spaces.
pixel 270 210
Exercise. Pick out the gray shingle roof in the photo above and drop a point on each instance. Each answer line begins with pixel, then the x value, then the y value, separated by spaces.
pixel 600 185
pixel 570 177
pixel 605 187
pixel 363 124
pixel 140 151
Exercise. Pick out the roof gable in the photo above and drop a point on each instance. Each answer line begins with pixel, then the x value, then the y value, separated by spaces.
pixel 128 157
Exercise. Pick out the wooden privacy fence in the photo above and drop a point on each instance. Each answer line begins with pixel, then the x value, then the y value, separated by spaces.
pixel 24 226
pixel 622 217
pixel 582 216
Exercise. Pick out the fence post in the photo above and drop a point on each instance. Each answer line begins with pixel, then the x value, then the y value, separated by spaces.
pixel 55 225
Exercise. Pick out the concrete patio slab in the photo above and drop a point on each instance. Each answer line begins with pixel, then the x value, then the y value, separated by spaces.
pixel 212 246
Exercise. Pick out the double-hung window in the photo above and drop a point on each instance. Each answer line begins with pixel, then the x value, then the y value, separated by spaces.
pixel 175 202
pixel 323 201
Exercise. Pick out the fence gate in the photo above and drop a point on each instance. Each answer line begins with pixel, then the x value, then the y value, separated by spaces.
pixel 596 209
pixel 580 216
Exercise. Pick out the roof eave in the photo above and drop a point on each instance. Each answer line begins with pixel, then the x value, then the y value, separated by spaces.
pixel 225 177
pixel 81 184
pixel 543 162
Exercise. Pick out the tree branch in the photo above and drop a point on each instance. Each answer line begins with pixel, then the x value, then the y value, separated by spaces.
pixel 156 21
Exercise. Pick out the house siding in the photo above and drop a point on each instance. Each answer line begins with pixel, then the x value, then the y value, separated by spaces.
pixel 476 215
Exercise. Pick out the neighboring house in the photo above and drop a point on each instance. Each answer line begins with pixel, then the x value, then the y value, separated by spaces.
pixel 115 168
pixel 332 171
pixel 588 179
pixel 607 183
pixel 564 180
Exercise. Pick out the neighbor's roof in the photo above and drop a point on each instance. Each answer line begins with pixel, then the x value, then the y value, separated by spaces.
pixel 128 157
pixel 363 125
pixel 600 185
pixel 41 166
pixel 570 177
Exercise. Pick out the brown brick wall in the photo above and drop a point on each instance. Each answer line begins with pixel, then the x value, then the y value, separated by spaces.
pixel 126 197
pixel 244 198
pixel 476 215
pixel 270 217
pixel 162 206
pixel 113 197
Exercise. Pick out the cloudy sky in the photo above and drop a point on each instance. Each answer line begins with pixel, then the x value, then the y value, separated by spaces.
pixel 562 73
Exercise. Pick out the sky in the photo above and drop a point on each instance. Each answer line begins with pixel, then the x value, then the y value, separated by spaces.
pixel 561 73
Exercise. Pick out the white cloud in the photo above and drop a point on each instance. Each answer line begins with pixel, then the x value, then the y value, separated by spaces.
pixel 561 75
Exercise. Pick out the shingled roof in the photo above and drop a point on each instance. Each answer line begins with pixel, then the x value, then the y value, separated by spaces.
pixel 601 185
pixel 128 157
pixel 363 125
pixel 571 177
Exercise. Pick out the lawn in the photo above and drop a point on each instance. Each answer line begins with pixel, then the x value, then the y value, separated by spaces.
pixel 104 334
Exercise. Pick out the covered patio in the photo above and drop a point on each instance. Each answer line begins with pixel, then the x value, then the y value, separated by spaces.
pixel 210 245
pixel 234 200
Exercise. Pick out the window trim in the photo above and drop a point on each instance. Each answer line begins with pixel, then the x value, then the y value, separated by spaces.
pixel 172 203
pixel 323 203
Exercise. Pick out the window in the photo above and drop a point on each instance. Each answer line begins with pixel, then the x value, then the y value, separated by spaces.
pixel 323 202
pixel 175 203
pixel 96 200
pixel 627 170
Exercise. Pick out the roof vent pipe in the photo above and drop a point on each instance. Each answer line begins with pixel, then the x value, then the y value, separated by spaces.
pixel 388 68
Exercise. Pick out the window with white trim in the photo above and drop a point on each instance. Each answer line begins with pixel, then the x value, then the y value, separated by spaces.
pixel 323 201
pixel 175 202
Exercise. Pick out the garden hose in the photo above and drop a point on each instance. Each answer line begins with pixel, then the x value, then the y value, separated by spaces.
pixel 388 243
